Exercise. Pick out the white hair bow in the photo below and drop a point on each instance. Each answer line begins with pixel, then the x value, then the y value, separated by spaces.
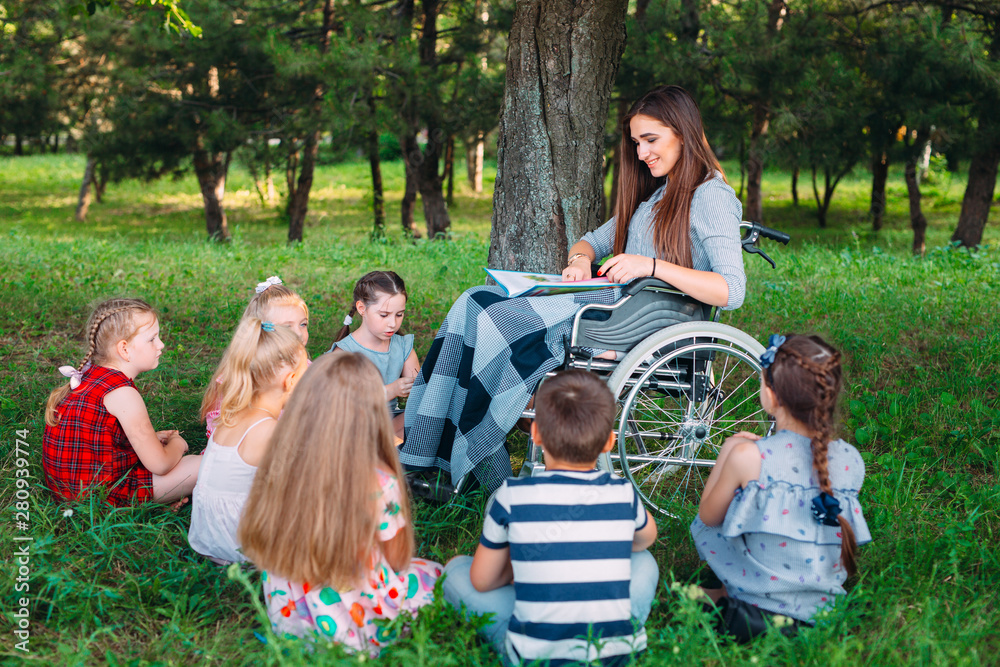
pixel 75 376
pixel 273 280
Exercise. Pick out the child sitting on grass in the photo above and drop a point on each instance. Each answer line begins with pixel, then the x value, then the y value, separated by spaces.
pixel 779 519
pixel 254 379
pixel 380 299
pixel 562 561
pixel 328 516
pixel 272 302
pixel 97 429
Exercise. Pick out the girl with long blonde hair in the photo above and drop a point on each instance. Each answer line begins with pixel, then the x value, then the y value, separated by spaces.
pixel 254 379
pixel 273 301
pixel 328 518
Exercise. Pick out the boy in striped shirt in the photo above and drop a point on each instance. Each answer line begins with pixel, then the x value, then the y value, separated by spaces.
pixel 562 561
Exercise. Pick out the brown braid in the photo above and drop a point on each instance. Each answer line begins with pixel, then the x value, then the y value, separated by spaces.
pixel 367 290
pixel 806 378
pixel 101 339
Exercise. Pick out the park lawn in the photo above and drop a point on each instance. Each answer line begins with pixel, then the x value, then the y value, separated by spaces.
pixel 921 339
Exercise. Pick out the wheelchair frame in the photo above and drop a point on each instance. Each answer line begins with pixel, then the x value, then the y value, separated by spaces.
pixel 685 384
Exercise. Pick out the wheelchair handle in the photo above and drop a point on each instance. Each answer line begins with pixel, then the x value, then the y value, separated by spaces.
pixel 756 231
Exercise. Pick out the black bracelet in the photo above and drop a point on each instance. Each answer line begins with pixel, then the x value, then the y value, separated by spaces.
pixel 653 274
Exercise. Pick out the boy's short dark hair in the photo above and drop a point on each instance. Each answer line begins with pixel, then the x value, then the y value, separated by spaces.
pixel 574 411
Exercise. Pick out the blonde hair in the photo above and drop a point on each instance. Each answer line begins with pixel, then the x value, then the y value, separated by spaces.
pixel 111 321
pixel 273 296
pixel 253 359
pixel 323 530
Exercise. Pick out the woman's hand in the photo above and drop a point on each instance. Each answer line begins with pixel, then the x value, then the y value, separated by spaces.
pixel 578 269
pixel 626 268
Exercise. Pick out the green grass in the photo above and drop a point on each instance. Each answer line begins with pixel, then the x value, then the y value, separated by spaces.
pixel 921 339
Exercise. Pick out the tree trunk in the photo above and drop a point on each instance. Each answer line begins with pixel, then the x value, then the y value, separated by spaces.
pixel 562 57
pixel 378 205
pixel 409 145
pixel 795 186
pixel 100 183
pixel 754 209
pixel 429 184
pixel 83 203
pixel 211 170
pixel 474 163
pixel 18 145
pixel 298 201
pixel 880 173
pixel 298 204
pixel 449 168
pixel 917 220
pixel 55 143
pixel 978 197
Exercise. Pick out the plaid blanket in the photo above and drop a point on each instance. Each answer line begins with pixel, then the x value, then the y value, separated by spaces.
pixel 485 363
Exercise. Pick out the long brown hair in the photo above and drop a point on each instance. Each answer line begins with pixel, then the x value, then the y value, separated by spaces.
pixel 253 358
pixel 367 290
pixel 111 321
pixel 311 514
pixel 674 107
pixel 806 378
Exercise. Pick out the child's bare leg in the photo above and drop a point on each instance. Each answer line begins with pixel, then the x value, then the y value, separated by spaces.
pixel 179 482
pixel 715 594
pixel 397 426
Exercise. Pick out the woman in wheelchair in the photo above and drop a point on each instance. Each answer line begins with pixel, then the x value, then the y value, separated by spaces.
pixel 678 220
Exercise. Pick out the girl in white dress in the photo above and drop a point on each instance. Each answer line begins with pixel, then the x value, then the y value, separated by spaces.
pixel 252 383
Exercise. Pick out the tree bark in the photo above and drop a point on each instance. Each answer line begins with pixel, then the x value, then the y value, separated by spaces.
pixel 100 183
pixel 378 205
pixel 409 145
pixel 449 168
pixel 211 170
pixel 754 209
pixel 917 220
pixel 795 186
pixel 978 197
pixel 18 145
pixel 430 185
pixel 298 201
pixel 298 204
pixel 880 173
pixel 474 162
pixel 83 203
pixel 562 57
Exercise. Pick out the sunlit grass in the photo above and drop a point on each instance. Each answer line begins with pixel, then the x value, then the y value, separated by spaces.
pixel 920 337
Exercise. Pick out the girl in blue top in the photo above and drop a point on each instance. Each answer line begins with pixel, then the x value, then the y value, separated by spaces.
pixel 780 519
pixel 380 299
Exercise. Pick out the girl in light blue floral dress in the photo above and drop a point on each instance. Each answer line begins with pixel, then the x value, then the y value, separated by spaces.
pixel 780 519
pixel 328 518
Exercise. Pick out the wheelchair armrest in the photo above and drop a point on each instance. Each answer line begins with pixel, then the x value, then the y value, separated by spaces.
pixel 640 284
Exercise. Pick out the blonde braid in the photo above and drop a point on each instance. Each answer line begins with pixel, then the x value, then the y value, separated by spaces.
pixel 101 313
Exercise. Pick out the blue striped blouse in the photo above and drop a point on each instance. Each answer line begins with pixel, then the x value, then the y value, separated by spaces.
pixel 715 234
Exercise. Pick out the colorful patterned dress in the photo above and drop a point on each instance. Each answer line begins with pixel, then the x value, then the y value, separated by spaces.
pixel 349 617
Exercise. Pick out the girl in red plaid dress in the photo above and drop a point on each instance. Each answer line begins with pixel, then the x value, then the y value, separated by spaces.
pixel 97 429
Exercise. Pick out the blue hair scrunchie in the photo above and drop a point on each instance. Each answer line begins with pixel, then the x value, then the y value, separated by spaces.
pixel 267 326
pixel 773 344
pixel 826 509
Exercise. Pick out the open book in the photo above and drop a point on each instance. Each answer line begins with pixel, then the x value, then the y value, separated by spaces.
pixel 519 283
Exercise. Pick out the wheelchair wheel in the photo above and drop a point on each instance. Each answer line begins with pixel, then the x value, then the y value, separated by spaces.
pixel 681 393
